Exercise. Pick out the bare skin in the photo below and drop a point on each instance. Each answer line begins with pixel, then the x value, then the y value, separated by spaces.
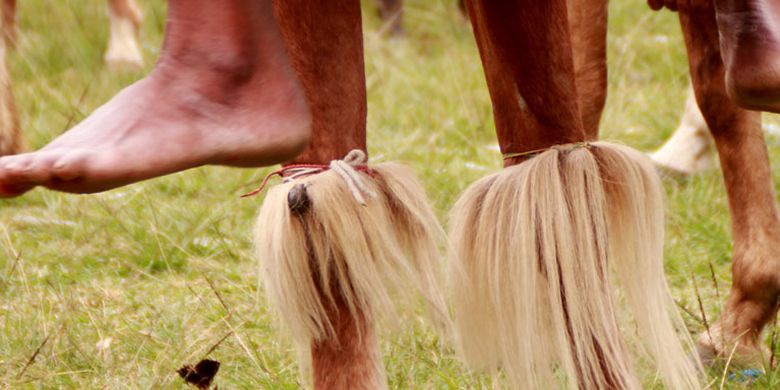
pixel 749 37
pixel 218 95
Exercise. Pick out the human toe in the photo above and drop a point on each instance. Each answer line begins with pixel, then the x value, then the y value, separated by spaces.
pixel 69 167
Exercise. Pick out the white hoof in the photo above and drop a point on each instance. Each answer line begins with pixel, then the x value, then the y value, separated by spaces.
pixel 123 46
pixel 690 149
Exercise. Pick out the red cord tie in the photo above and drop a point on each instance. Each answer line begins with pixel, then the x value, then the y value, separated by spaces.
pixel 354 161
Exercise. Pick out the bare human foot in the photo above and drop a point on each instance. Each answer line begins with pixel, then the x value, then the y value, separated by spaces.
pixel 222 93
pixel 750 46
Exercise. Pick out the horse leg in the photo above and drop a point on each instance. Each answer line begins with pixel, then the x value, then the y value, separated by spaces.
pixel 753 299
pixel 330 266
pixel 690 149
pixel 10 134
pixel 535 241
pixel 123 46
pixel 8 9
pixel 325 44
pixel 588 23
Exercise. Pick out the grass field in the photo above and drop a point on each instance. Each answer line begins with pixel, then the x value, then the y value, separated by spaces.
pixel 117 290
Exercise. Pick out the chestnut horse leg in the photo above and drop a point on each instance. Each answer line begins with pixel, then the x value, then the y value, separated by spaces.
pixel 123 46
pixel 753 300
pixel 588 21
pixel 530 72
pixel 10 134
pixel 8 9
pixel 533 242
pixel 325 44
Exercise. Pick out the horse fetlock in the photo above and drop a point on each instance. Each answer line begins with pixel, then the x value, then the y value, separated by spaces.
pixel 756 272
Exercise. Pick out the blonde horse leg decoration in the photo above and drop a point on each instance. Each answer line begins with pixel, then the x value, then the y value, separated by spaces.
pixel 341 242
pixel 542 248
pixel 538 246
pixel 339 246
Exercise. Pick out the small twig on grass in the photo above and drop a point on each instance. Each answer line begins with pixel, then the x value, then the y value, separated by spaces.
pixel 38 351
pixel 773 342
pixel 202 302
pixel 219 296
pixel 248 351
pixel 74 110
pixel 701 307
pixel 13 269
pixel 714 281
pixel 216 345
pixel 32 358
pixel 728 363
pixel 689 312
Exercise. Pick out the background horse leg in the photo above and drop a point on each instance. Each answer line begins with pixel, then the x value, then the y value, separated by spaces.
pixel 534 242
pixel 331 267
pixel 10 134
pixel 690 149
pixel 756 227
pixel 8 9
pixel 123 46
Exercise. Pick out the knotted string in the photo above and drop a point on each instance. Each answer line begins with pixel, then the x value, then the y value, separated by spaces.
pixel 347 169
pixel 563 147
